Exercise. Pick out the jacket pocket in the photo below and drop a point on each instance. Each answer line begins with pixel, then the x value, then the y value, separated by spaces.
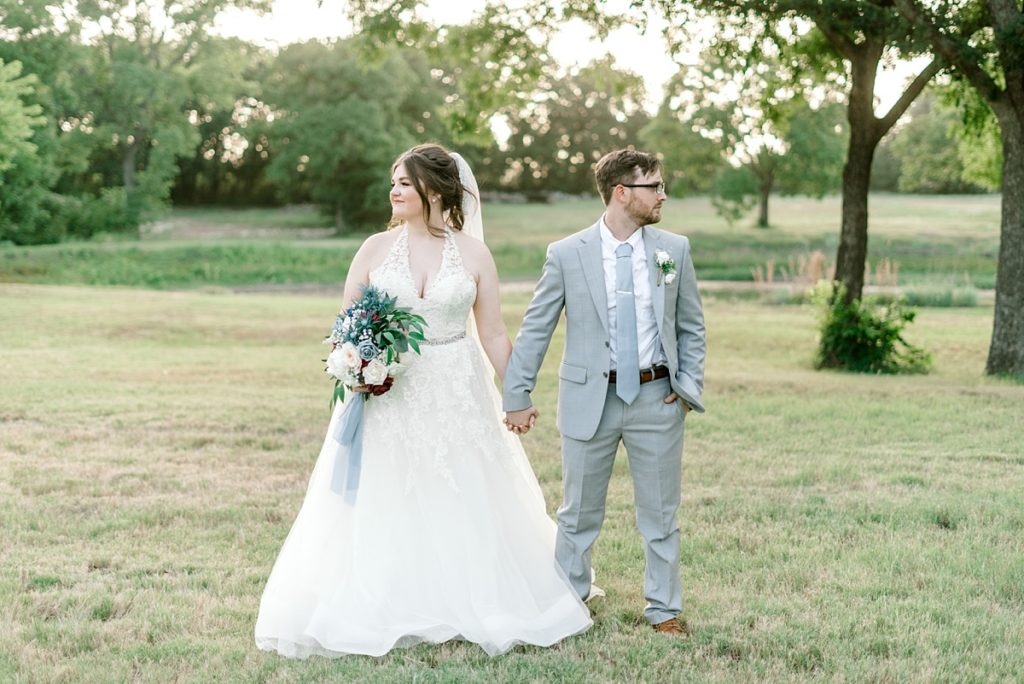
pixel 572 373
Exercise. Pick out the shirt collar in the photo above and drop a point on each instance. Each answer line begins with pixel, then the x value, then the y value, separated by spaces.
pixel 610 242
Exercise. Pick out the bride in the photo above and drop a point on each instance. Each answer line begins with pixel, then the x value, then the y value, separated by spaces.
pixel 448 537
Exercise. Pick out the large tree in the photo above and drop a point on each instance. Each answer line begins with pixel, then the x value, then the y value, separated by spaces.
pixel 571 122
pixel 800 152
pixel 153 70
pixel 779 129
pixel 859 34
pixel 122 84
pixel 336 130
pixel 983 42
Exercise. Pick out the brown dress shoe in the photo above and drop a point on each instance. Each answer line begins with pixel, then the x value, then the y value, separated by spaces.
pixel 673 626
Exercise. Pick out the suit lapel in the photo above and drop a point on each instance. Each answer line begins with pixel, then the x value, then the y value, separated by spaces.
pixel 652 244
pixel 593 271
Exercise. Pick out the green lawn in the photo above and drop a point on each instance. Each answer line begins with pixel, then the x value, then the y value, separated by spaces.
pixel 937 241
pixel 155 447
pixel 300 216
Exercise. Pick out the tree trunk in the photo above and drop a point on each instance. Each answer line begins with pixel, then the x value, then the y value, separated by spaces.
pixel 339 221
pixel 851 258
pixel 852 255
pixel 128 166
pixel 764 167
pixel 1006 352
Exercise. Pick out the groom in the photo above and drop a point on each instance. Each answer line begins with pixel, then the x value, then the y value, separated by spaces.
pixel 633 367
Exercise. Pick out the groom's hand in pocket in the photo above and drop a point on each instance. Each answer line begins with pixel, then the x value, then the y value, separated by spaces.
pixel 520 422
pixel 673 397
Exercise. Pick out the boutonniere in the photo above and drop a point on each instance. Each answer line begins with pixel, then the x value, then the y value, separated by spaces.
pixel 666 266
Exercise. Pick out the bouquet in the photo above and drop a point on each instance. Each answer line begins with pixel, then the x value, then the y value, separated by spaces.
pixel 368 339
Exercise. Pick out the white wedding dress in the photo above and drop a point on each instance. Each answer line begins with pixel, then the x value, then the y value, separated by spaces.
pixel 448 537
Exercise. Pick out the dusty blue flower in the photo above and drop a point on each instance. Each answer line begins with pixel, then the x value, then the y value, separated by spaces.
pixel 367 350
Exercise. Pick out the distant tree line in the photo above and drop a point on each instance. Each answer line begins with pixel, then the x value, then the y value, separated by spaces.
pixel 107 116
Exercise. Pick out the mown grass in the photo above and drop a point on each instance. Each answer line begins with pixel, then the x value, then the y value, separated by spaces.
pixel 943 242
pixel 155 447
pixel 298 216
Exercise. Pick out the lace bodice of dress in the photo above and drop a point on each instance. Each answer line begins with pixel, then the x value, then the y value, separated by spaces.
pixel 448 297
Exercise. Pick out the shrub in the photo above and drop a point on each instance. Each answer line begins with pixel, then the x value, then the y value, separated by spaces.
pixel 111 212
pixel 864 336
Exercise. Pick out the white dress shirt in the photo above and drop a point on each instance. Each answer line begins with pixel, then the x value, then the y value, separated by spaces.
pixel 648 339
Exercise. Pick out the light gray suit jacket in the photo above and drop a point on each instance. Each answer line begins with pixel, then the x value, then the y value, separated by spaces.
pixel 573 280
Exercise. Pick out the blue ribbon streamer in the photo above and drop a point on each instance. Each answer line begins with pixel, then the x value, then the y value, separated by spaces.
pixel 349 434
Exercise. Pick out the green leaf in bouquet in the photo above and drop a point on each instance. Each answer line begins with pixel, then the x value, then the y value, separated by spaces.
pixel 338 394
pixel 415 346
pixel 416 335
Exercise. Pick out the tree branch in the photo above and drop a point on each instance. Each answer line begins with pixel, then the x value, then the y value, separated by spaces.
pixel 909 95
pixel 840 41
pixel 947 48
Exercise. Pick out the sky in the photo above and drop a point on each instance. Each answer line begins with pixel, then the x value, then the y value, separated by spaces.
pixel 576 44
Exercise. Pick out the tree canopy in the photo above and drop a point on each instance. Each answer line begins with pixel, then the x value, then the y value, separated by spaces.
pixel 337 130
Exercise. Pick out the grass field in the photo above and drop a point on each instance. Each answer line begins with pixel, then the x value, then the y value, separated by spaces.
pixel 937 241
pixel 155 447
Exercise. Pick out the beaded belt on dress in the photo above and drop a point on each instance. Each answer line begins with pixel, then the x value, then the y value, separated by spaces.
pixel 445 340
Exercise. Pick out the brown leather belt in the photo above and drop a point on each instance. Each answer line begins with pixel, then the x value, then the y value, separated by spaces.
pixel 646 375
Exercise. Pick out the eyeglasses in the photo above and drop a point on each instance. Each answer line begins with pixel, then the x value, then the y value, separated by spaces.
pixel 659 187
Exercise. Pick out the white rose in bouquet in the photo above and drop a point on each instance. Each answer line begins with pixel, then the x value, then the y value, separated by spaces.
pixel 350 355
pixel 375 373
pixel 338 367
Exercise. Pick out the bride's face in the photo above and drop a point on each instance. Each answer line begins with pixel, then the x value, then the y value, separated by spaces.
pixel 405 201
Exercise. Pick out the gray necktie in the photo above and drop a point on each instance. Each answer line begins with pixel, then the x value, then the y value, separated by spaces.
pixel 627 358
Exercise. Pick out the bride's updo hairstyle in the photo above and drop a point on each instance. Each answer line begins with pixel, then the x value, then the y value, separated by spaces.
pixel 432 169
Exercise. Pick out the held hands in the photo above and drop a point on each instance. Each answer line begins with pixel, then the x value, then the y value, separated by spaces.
pixel 520 422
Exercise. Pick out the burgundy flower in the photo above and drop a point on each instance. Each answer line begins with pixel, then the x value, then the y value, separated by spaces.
pixel 377 390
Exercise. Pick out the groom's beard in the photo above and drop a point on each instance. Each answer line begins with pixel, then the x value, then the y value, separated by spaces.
pixel 643 216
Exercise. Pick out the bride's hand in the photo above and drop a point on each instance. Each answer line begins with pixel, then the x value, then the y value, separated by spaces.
pixel 520 422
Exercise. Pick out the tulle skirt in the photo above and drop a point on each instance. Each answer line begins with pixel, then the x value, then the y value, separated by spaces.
pixel 448 537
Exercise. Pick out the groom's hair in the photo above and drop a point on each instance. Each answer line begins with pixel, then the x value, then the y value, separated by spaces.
pixel 622 166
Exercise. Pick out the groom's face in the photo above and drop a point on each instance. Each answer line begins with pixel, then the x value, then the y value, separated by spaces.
pixel 643 205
